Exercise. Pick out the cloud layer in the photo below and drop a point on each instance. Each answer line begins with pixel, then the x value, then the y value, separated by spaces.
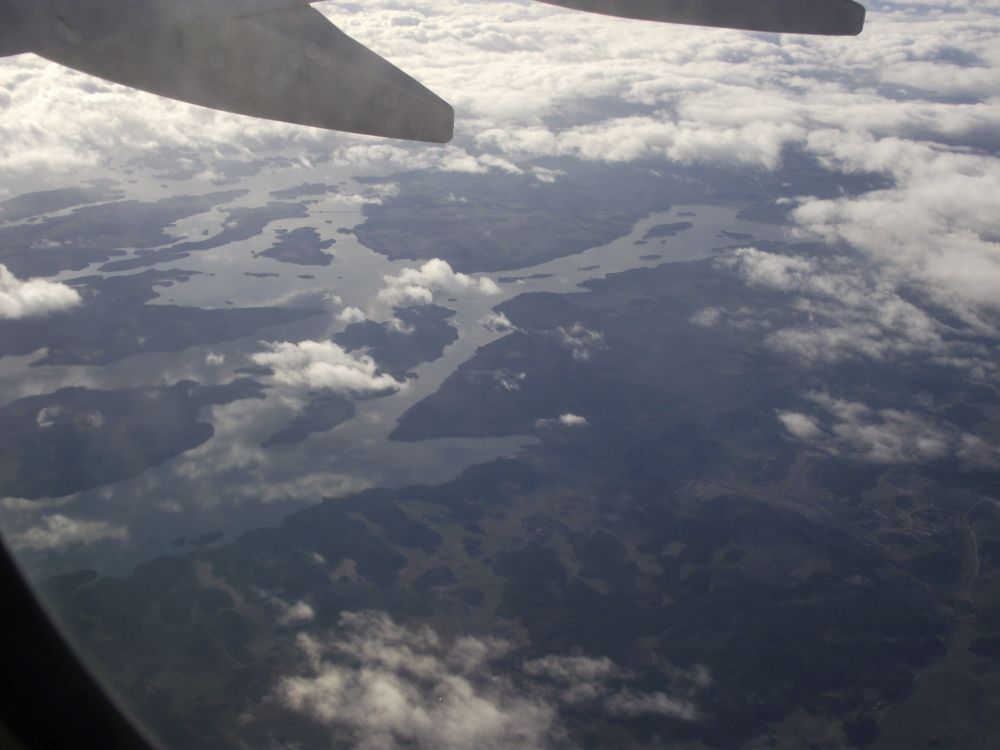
pixel 915 99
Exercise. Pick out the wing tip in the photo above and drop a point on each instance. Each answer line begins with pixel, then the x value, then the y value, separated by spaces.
pixel 859 13
pixel 445 129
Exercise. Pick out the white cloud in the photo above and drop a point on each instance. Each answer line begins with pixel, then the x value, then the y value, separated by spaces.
pixel 936 229
pixel 48 416
pixel 842 309
pixel 214 359
pixel 497 322
pixel 298 611
pixel 563 420
pixel 581 341
pixel 417 286
pixel 23 299
pixel 629 703
pixel 288 613
pixel 801 426
pixel 571 669
pixel 293 613
pixel 393 687
pixel 508 380
pixel 351 315
pixel 885 436
pixel 707 317
pixel 308 487
pixel 324 364
pixel 57 531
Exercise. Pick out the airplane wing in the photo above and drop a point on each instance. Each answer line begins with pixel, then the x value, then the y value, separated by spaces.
pixel 291 65
pixel 828 17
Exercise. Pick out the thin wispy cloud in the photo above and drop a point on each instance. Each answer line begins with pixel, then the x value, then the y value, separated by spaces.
pixel 857 431
pixel 58 531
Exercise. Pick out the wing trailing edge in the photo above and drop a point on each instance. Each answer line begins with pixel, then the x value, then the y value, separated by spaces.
pixel 827 17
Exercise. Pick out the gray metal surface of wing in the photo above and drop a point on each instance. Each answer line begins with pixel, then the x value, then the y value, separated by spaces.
pixel 291 65
pixel 827 17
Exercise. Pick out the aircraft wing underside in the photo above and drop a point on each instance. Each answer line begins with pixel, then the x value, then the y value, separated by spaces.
pixel 291 65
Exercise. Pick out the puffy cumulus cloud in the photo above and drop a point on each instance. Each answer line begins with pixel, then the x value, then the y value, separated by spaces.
pixel 324 364
pixel 885 436
pixel 391 686
pixel 801 426
pixel 417 286
pixel 351 315
pixel 580 340
pixel 298 611
pixel 563 420
pixel 288 613
pixel 497 322
pixel 23 299
pixel 57 531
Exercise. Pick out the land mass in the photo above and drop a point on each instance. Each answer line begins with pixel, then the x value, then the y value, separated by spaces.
pixel 419 334
pixel 77 438
pixel 302 247
pixel 675 527
pixel 94 233
pixel 29 205
pixel 505 222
